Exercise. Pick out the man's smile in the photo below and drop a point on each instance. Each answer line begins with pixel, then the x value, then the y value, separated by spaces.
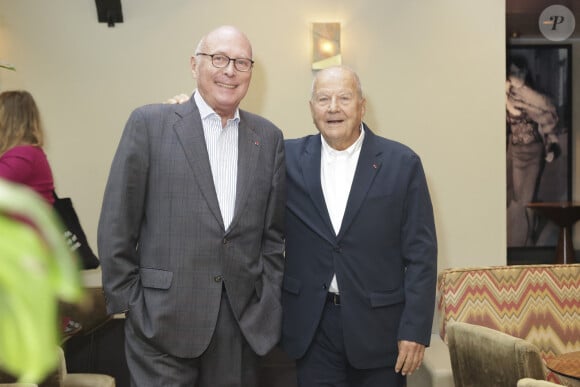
pixel 225 85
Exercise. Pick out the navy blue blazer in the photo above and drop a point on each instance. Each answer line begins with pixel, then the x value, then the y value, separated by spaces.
pixel 385 255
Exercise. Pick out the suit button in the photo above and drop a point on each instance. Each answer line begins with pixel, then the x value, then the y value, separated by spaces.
pixel 338 249
pixel 225 241
pixel 218 278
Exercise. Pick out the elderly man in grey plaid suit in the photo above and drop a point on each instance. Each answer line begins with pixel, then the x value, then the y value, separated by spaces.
pixel 190 234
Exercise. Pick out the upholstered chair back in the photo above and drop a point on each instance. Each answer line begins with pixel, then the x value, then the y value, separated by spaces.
pixel 483 357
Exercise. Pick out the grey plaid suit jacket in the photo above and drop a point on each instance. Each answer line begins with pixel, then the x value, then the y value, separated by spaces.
pixel 164 251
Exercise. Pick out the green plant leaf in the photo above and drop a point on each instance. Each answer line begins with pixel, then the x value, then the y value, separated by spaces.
pixel 38 270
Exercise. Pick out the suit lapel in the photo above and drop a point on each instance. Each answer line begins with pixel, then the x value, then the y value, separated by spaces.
pixel 249 144
pixel 310 166
pixel 369 164
pixel 189 130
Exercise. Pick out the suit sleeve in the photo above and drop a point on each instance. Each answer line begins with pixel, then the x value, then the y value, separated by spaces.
pixel 420 254
pixel 273 236
pixel 122 213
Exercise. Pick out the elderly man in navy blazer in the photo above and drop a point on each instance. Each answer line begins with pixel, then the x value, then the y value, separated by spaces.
pixel 361 253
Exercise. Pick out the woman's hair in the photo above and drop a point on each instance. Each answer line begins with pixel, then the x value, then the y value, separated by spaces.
pixel 19 120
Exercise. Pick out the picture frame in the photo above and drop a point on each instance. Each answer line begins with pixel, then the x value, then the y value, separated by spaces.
pixel 538 144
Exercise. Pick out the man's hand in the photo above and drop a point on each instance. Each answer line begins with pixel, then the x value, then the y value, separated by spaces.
pixel 410 357
pixel 178 99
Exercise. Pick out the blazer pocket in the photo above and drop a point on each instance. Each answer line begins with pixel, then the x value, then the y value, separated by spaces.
pixel 386 299
pixel 291 285
pixel 156 278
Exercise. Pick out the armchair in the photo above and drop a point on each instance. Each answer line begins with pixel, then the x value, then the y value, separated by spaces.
pixel 61 378
pixel 82 379
pixel 91 312
pixel 529 382
pixel 482 356
pixel 537 303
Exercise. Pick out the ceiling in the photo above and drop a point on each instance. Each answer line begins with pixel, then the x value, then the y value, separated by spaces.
pixel 522 17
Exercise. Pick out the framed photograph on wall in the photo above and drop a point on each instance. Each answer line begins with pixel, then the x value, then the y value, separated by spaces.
pixel 538 141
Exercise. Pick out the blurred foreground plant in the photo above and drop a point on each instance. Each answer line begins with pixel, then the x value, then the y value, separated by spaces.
pixel 7 66
pixel 36 271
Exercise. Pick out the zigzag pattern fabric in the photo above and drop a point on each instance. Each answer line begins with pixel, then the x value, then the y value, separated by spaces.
pixel 538 303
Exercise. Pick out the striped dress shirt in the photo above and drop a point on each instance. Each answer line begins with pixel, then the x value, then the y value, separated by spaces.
pixel 222 148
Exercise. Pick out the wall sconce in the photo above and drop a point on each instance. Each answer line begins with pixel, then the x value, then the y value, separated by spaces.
pixel 325 45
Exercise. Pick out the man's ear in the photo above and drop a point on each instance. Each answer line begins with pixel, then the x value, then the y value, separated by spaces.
pixel 364 107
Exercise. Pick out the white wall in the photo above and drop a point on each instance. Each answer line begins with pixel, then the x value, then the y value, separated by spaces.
pixel 433 73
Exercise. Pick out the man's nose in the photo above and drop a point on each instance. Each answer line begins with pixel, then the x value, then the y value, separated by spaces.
pixel 333 106
pixel 230 67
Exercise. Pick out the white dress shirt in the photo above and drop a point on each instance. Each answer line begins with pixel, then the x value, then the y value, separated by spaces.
pixel 337 170
pixel 222 148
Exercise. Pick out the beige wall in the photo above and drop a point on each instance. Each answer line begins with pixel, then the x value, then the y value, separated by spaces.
pixel 433 72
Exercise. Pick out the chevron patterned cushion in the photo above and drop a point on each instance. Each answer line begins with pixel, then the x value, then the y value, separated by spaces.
pixel 538 303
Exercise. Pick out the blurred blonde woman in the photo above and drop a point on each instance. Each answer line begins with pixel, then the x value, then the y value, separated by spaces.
pixel 22 159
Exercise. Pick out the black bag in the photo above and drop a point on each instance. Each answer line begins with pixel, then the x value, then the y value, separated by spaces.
pixel 74 234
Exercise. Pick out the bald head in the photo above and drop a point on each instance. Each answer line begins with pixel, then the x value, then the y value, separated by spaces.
pixel 224 34
pixel 337 72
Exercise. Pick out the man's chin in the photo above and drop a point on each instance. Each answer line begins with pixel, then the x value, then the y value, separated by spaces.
pixel 333 127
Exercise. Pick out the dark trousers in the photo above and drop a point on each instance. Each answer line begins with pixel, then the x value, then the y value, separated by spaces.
pixel 227 362
pixel 325 363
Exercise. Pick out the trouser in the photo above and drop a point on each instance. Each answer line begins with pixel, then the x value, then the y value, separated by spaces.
pixel 227 362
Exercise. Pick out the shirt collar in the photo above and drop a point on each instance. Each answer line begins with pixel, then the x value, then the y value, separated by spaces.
pixel 355 147
pixel 205 111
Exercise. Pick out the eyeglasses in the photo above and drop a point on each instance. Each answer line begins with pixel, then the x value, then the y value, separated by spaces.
pixel 221 61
